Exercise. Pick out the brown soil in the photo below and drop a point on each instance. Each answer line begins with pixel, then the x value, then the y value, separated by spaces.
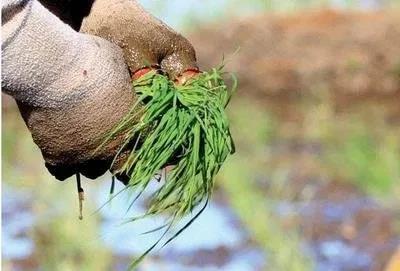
pixel 349 57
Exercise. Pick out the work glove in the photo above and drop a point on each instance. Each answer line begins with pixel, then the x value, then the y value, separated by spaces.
pixel 72 88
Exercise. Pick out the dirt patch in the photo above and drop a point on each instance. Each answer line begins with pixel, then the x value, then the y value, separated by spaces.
pixel 348 57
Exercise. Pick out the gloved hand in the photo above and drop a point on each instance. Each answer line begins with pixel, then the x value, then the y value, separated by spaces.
pixel 72 88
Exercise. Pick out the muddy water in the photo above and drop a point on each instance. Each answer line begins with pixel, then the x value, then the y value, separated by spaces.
pixel 348 232
pixel 213 242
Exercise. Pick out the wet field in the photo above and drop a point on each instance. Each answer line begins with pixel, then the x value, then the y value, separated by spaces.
pixel 314 184
pixel 338 225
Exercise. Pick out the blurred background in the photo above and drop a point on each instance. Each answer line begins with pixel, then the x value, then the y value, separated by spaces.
pixel 315 182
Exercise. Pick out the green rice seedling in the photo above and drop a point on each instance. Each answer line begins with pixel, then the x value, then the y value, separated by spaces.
pixel 184 125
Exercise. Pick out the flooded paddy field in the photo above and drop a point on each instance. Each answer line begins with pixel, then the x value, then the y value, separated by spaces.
pixel 314 185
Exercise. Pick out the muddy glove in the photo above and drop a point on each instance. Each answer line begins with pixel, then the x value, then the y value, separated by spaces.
pixel 145 40
pixel 64 117
pixel 70 87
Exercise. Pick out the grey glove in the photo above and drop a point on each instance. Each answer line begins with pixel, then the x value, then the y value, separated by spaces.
pixel 72 88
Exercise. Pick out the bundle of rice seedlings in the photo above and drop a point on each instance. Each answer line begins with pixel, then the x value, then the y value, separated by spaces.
pixel 184 125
